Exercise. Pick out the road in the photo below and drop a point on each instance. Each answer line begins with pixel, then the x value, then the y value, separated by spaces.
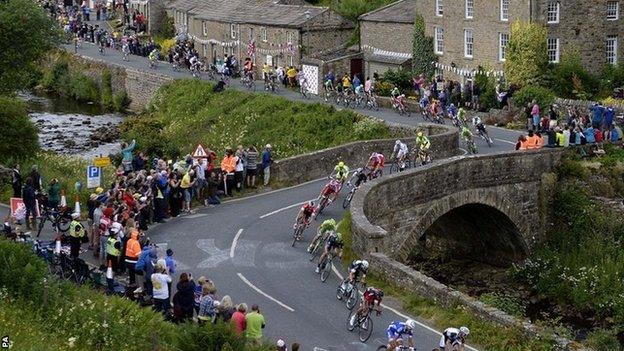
pixel 243 245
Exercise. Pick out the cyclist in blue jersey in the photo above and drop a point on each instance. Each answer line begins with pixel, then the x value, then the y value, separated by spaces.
pixel 397 331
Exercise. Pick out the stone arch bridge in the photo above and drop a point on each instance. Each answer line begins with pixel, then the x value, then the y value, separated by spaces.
pixel 487 208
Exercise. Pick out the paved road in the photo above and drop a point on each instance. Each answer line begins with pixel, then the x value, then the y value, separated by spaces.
pixel 244 246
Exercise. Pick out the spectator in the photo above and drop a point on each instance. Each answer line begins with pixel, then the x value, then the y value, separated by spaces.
pixel 16 181
pixel 228 167
pixel 186 186
pixel 255 323
pixel 266 163
pixel 213 185
pixel 226 309
pixel 208 305
pixel 197 292
pixel 535 113
pixel 29 197
pixel 175 194
pixel 113 246
pixel 54 193
pixel 36 177
pixel 238 319
pixel 240 167
pixel 183 300
pixel 160 279
pixel 252 166
pixel 126 153
pixel 132 254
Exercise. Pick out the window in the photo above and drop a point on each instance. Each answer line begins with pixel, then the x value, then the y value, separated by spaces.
pixel 612 48
pixel 468 43
pixel 251 34
pixel 504 10
pixel 469 9
pixel 204 29
pixel 233 30
pixel 205 50
pixel 613 10
pixel 553 50
pixel 503 40
pixel 263 34
pixel 439 40
pixel 439 10
pixel 553 12
pixel 289 37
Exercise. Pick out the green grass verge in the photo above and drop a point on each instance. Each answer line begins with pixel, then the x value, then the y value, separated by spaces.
pixel 489 336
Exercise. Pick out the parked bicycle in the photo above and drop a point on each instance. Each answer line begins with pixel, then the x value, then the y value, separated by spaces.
pixel 60 219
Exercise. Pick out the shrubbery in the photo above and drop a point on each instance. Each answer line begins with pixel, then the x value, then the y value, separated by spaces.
pixel 83 88
pixel 107 90
pixel 187 112
pixel 543 96
pixel 19 138
pixel 571 80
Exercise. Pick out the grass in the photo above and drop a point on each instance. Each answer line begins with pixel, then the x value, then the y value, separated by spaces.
pixel 489 336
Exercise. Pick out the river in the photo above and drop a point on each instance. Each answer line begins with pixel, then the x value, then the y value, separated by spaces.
pixel 73 128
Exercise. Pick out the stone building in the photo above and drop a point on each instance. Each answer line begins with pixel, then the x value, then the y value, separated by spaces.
pixel 154 11
pixel 472 33
pixel 275 32
pixel 386 36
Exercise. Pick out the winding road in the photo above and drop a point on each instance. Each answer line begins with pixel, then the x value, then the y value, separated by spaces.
pixel 243 245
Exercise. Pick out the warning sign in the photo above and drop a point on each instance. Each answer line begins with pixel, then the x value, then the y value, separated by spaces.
pixel 200 152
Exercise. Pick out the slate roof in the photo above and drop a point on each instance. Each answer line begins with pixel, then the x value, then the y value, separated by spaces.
pixel 402 11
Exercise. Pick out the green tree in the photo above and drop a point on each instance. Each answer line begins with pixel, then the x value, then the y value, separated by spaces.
pixel 167 28
pixel 423 54
pixel 526 54
pixel 26 34
pixel 352 9
pixel 19 139
pixel 571 80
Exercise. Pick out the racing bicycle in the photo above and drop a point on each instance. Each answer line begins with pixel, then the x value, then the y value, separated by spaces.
pixel 483 134
pixel 398 348
pixel 326 265
pixel 470 145
pixel 350 292
pixel 298 229
pixel 363 321
pixel 396 167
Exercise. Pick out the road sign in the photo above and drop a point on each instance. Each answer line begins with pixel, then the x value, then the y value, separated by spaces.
pixel 94 177
pixel 200 152
pixel 18 209
pixel 101 161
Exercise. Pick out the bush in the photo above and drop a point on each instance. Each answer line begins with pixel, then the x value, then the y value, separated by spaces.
pixel 83 88
pixel 22 272
pixel 543 96
pixel 526 55
pixel 121 101
pixel 488 98
pixel 57 78
pixel 570 79
pixel 508 304
pixel 184 113
pixel 383 88
pixel 167 29
pixel 423 50
pixel 107 90
pixel 19 137
pixel 400 78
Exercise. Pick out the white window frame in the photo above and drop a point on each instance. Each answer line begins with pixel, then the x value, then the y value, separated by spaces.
pixel 469 9
pixel 205 28
pixel 504 10
pixel 290 37
pixel 263 34
pixel 468 43
pixel 438 40
pixel 439 8
pixel 615 16
pixel 552 11
pixel 612 54
pixel 233 30
pixel 553 42
pixel 502 49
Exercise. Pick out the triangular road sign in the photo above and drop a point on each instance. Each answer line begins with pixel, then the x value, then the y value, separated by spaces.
pixel 200 152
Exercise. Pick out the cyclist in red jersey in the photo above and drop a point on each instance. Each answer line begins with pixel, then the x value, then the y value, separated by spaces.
pixel 305 213
pixel 370 296
pixel 331 190
pixel 376 164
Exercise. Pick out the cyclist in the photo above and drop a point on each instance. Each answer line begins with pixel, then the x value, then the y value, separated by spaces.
pixel 327 226
pixel 331 190
pixel 305 213
pixel 334 244
pixel 453 337
pixel 346 82
pixel 376 163
pixel 400 151
pixel 397 330
pixel 480 127
pixel 370 296
pixel 125 49
pixel 341 172
pixel 102 42
pixel 461 115
pixel 423 144
pixel 266 70
pixel 395 92
pixel 359 93
pixel 357 271
pixel 466 134
pixel 153 56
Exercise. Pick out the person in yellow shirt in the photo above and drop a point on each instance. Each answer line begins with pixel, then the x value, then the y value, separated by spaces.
pixel 187 183
pixel 292 76
pixel 346 82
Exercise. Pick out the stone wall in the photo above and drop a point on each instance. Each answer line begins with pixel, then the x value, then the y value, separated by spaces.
pixel 319 164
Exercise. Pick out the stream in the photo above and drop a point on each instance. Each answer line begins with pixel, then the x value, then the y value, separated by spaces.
pixel 73 128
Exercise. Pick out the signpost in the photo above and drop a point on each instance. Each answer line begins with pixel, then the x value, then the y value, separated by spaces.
pixel 200 152
pixel 94 176
pixel 101 161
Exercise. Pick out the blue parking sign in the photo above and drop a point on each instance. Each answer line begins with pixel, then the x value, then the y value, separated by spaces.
pixel 94 177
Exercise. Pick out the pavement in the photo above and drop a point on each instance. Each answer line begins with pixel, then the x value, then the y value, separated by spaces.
pixel 243 245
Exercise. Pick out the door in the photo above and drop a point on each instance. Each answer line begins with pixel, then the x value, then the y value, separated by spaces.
pixel 357 68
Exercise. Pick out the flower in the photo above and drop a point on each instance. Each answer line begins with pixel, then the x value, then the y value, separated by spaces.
pixel 71 342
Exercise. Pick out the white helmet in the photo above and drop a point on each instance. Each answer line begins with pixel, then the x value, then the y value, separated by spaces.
pixel 464 330
pixel 365 264
pixel 398 142
pixel 410 323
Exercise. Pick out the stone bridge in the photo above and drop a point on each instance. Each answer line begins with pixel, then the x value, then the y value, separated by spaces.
pixel 488 208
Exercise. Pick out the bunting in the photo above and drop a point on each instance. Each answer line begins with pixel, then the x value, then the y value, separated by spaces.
pixel 466 72
pixel 387 53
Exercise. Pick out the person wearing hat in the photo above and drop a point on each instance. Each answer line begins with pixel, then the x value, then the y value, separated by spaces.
pixel 267 159
pixel 76 234
pixel 132 253
pixel 113 246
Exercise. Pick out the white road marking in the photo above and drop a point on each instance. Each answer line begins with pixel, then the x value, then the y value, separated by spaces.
pixel 505 141
pixel 233 247
pixel 404 316
pixel 217 256
pixel 463 150
pixel 284 209
pixel 242 277
pixel 197 215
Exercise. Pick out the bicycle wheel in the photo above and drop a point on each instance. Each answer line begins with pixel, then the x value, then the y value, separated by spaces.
pixel 295 233
pixel 326 270
pixel 63 225
pixel 375 105
pixel 366 328
pixel 351 323
pixel 40 225
pixel 315 249
pixel 347 200
pixel 382 348
pixel 353 298
pixel 394 168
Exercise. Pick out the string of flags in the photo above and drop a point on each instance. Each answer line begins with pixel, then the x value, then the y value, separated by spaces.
pixel 465 72
pixel 377 51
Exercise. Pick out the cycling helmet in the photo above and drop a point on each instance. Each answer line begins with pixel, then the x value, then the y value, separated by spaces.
pixel 410 323
pixel 341 164
pixel 338 236
pixel 365 264
pixel 419 134
pixel 373 155
pixel 380 293
pixel 464 330
pixel 398 142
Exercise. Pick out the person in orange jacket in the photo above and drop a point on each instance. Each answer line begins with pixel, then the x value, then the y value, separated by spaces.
pixel 133 251
pixel 228 166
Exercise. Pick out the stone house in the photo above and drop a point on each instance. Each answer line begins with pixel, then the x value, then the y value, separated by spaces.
pixel 154 11
pixel 472 33
pixel 281 33
pixel 386 37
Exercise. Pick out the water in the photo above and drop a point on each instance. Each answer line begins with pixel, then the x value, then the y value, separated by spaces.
pixel 72 128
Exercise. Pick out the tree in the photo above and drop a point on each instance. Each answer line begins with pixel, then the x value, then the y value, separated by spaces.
pixel 526 54
pixel 18 139
pixel 423 55
pixel 26 34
